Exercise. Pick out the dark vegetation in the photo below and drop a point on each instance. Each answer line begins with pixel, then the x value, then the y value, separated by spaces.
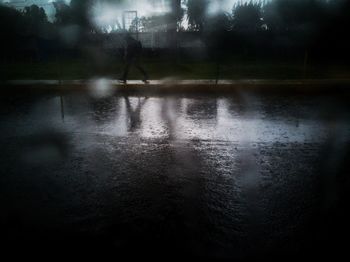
pixel 311 35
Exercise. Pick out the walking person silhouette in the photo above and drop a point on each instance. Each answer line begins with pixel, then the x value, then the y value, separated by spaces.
pixel 133 51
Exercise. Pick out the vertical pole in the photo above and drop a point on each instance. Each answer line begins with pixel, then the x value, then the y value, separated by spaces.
pixel 217 71
pixel 62 108
pixel 3 63
pixel 124 20
pixel 217 65
pixel 59 72
pixel 306 56
pixel 59 69
pixel 137 26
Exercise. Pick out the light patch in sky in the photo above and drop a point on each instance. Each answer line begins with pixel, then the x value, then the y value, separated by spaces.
pixel 108 15
pixel 219 6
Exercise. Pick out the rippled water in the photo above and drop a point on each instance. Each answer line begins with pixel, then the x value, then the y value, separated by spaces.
pixel 247 118
pixel 234 177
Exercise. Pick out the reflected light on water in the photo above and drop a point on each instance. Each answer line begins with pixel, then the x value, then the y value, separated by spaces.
pixel 223 119
pixel 100 88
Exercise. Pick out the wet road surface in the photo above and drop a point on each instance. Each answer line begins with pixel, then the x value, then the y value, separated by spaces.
pixel 241 176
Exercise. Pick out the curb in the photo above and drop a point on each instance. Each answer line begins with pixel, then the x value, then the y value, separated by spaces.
pixel 183 86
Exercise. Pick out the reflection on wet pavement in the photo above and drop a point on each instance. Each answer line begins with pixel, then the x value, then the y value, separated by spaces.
pixel 217 119
pixel 233 177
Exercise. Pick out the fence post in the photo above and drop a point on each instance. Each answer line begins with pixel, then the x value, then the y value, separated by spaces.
pixel 59 64
pixel 62 107
pixel 306 57
pixel 218 56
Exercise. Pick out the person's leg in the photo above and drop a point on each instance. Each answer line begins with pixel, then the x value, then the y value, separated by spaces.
pixel 140 68
pixel 126 71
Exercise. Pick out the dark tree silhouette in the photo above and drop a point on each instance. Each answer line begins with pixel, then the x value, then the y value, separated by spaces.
pixel 176 14
pixel 196 12
pixel 77 13
pixel 35 14
pixel 80 9
pixel 36 20
pixel 10 34
pixel 64 14
pixel 247 16
pixel 290 26
pixel 289 15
